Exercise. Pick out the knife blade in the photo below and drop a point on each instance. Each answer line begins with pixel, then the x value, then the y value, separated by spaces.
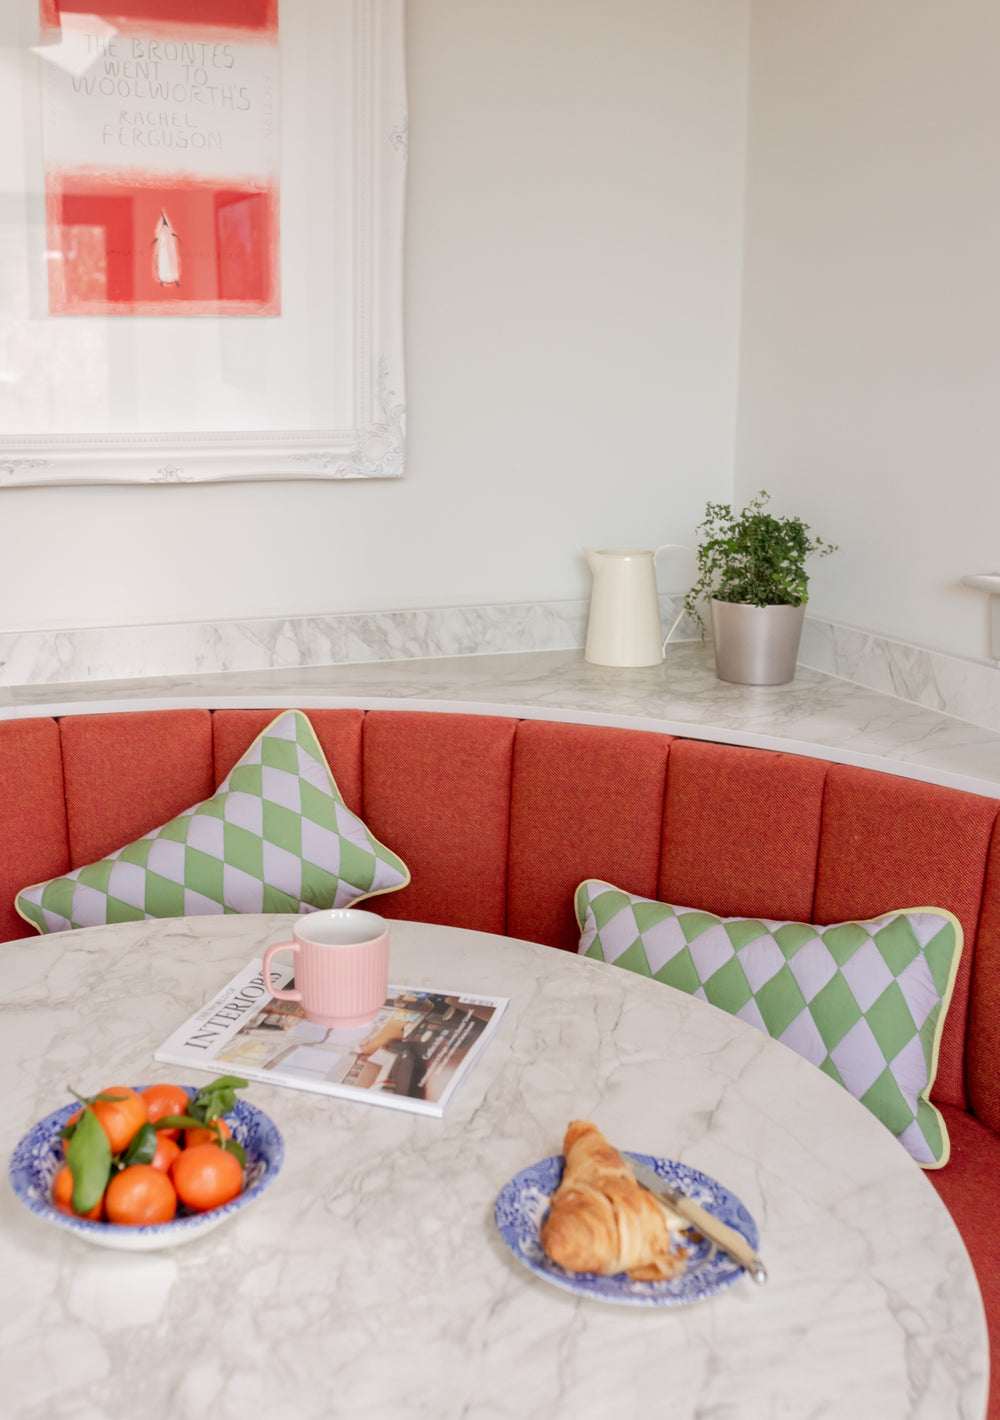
pixel 732 1243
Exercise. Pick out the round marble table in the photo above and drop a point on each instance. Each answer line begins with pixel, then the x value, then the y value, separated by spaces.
pixel 370 1280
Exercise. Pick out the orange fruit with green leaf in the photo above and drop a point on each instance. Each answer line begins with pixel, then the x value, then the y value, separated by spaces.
pixel 123 1153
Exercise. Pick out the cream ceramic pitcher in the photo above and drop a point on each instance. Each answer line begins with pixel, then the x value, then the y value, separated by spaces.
pixel 624 624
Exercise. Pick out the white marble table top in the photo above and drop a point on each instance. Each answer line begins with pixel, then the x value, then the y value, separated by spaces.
pixel 370 1280
pixel 815 714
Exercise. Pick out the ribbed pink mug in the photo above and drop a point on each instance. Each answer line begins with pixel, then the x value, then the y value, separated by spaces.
pixel 341 966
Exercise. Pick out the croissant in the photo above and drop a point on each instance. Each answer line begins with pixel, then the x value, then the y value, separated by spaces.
pixel 602 1221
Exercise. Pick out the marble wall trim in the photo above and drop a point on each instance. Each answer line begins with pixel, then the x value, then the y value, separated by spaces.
pixel 969 690
pixel 127 652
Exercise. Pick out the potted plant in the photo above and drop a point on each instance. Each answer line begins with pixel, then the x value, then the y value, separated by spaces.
pixel 751 569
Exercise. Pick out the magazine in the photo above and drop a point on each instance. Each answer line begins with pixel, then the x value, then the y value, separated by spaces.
pixel 414 1055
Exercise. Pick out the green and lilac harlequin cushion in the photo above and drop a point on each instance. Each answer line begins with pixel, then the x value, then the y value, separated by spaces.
pixel 865 1001
pixel 276 836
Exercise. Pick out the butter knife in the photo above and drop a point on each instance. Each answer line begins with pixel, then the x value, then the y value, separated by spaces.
pixel 732 1243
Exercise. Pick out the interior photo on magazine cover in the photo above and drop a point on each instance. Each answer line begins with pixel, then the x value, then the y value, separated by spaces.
pixel 414 1046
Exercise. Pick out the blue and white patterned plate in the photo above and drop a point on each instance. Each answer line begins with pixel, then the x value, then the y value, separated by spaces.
pixel 39 1155
pixel 523 1204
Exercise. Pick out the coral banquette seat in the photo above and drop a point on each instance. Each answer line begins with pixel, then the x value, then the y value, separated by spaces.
pixel 500 818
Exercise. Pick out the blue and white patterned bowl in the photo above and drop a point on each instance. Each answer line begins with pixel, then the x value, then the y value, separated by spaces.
pixel 39 1155
pixel 523 1204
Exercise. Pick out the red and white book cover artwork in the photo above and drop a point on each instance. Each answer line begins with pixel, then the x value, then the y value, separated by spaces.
pixel 160 134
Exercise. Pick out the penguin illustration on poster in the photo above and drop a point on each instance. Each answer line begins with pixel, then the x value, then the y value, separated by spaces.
pixel 166 253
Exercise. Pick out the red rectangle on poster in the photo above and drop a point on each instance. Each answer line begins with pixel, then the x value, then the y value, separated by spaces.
pixel 161 247
pixel 259 17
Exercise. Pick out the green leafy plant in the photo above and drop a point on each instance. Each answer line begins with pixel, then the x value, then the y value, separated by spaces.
pixel 752 556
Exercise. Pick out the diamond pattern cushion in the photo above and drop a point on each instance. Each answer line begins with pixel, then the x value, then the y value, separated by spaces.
pixel 865 1001
pixel 276 836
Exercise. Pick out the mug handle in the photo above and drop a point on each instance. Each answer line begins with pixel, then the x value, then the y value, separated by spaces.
pixel 266 971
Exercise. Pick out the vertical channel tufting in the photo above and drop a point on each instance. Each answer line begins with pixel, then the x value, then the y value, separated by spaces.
pixel 437 792
pixel 983 1033
pixel 889 842
pixel 741 830
pixel 127 774
pixel 34 842
pixel 587 801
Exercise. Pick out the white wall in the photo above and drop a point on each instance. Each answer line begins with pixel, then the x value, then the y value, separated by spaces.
pixel 573 265
pixel 870 365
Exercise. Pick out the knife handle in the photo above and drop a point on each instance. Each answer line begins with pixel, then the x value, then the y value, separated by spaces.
pixel 722 1234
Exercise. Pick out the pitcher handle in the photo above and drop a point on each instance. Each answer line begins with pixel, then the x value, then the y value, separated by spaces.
pixel 677 619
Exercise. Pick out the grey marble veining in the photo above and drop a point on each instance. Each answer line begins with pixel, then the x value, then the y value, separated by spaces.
pixel 954 686
pixel 109 653
pixel 112 653
pixel 370 1280
pixel 969 690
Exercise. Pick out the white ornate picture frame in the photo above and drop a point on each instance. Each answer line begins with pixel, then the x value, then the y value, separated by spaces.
pixel 344 173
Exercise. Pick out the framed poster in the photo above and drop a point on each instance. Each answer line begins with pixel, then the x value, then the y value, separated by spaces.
pixel 201 252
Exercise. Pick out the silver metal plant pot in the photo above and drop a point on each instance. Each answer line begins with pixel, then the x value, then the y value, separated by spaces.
pixel 756 645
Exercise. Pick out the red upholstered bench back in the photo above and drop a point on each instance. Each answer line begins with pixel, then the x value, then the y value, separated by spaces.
pixel 889 842
pixel 499 820
pixel 437 790
pixel 982 1050
pixel 126 774
pixel 34 840
pixel 741 831
pixel 586 801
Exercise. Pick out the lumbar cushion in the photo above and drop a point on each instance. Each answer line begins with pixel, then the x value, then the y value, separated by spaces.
pixel 865 1001
pixel 276 836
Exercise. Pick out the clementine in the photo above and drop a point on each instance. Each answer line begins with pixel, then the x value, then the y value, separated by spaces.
pixel 206 1176
pixel 167 1150
pixel 121 1113
pixel 161 1100
pixel 208 1135
pixel 139 1195
pixel 62 1197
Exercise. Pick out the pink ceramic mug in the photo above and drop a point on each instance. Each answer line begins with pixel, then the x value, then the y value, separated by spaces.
pixel 341 966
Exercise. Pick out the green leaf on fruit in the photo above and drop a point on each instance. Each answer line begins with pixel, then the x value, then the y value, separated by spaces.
pixel 231 1147
pixel 142 1149
pixel 89 1159
pixel 217 1098
pixel 178 1121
